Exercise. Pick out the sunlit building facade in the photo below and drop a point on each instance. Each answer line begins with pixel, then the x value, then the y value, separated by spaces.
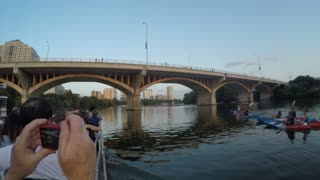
pixel 148 94
pixel 96 94
pixel 170 92
pixel 15 51
pixel 56 90
pixel 110 93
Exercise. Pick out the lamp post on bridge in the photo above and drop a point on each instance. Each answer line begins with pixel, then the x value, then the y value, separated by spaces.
pixel 48 47
pixel 146 45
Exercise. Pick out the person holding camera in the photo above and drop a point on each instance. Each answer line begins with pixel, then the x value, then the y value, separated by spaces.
pixel 76 151
pixel 33 108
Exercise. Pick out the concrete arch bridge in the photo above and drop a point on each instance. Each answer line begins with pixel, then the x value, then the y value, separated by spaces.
pixel 34 78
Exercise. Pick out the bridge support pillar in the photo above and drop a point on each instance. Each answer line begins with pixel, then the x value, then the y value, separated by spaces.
pixel 133 102
pixel 24 96
pixel 265 96
pixel 206 99
pixel 25 81
pixel 245 97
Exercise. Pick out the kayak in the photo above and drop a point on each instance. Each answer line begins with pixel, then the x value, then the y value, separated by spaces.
pixel 266 120
pixel 314 124
pixel 270 122
pixel 274 123
pixel 298 127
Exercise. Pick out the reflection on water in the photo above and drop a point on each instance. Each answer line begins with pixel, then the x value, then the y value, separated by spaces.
pixel 166 128
pixel 171 141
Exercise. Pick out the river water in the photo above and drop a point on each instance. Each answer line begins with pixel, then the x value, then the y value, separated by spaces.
pixel 190 142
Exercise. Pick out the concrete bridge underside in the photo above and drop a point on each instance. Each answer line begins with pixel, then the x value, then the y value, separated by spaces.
pixel 34 81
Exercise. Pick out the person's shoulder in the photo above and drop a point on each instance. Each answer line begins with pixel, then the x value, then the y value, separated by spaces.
pixel 5 141
pixel 7 148
pixel 5 156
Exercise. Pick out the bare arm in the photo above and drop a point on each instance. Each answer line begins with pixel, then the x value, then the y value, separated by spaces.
pixel 93 128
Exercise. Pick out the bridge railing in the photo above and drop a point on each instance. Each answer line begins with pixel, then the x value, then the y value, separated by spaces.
pixel 121 61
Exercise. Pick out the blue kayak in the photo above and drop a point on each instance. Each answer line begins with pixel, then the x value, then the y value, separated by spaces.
pixel 270 122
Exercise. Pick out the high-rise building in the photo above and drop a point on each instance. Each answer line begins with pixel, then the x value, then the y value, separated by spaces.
pixel 96 94
pixel 93 93
pixel 56 90
pixel 123 96
pixel 170 92
pixel 13 51
pixel 109 93
pixel 148 94
pixel 99 95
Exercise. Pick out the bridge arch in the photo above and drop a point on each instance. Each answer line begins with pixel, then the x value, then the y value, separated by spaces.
pixel 12 85
pixel 231 82
pixel 49 83
pixel 263 92
pixel 263 87
pixel 191 83
pixel 244 94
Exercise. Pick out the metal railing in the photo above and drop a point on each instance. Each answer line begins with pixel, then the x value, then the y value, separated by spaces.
pixel 122 61
pixel 101 167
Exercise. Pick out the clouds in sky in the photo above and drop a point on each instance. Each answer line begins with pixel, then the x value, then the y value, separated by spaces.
pixel 249 62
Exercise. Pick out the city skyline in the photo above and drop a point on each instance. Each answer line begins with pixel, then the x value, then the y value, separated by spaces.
pixel 280 38
pixel 110 93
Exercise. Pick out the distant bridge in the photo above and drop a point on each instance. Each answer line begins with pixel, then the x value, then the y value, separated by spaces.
pixel 130 77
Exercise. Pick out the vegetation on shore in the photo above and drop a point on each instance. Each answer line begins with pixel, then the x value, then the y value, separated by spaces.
pixel 155 102
pixel 300 87
pixel 224 94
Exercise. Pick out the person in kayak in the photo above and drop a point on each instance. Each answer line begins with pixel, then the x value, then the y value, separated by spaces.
pixel 306 118
pixel 293 113
pixel 246 112
pixel 278 116
pixel 238 108
pixel 290 119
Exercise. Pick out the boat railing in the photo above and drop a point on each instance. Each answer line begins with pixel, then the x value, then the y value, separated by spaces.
pixel 101 168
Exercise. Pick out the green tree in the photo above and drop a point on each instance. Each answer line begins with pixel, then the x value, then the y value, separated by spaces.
pixel 190 98
pixel 14 98
pixel 226 94
pixel 300 87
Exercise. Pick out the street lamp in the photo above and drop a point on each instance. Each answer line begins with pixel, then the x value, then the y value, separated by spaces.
pixel 146 45
pixel 48 47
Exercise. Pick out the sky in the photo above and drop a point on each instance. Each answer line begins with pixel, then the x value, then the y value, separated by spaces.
pixel 230 35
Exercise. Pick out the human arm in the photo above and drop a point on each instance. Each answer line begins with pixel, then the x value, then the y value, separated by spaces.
pixel 24 158
pixel 76 153
pixel 93 128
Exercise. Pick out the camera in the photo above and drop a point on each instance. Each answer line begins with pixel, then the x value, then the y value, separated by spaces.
pixel 49 134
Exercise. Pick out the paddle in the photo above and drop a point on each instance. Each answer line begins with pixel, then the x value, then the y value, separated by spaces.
pixel 294 102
